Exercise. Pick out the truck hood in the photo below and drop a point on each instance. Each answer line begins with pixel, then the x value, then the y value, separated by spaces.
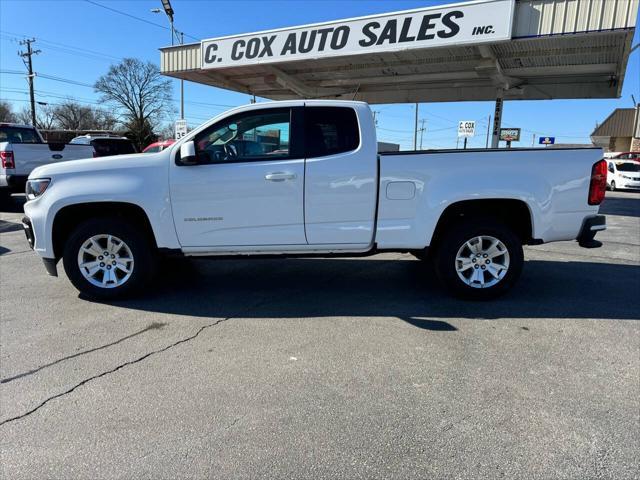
pixel 112 163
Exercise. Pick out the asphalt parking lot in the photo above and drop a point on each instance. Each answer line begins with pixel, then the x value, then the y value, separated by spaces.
pixel 335 368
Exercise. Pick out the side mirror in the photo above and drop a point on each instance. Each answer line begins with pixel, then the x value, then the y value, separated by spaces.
pixel 188 153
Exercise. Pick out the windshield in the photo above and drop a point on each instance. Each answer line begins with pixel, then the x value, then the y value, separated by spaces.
pixel 19 135
pixel 628 166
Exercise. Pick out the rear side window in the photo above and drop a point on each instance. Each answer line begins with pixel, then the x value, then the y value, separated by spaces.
pixel 18 135
pixel 330 130
pixel 108 147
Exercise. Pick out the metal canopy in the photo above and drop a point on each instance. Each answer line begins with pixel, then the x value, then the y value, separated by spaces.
pixel 558 49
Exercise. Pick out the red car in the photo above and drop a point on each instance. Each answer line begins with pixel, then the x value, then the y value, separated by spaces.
pixel 158 146
pixel 628 156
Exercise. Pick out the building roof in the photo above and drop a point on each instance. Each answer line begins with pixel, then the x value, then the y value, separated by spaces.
pixel 535 49
pixel 618 124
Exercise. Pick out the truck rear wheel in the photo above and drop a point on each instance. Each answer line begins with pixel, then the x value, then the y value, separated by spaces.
pixel 108 258
pixel 479 259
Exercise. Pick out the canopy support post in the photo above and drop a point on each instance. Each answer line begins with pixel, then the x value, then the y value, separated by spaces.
pixel 497 119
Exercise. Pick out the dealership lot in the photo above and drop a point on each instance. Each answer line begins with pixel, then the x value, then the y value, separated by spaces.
pixel 307 368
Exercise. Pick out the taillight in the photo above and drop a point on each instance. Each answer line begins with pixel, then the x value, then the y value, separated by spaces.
pixel 598 184
pixel 7 160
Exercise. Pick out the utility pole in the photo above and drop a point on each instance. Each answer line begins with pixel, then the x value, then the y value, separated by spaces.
pixel 533 140
pixel 486 144
pixel 181 83
pixel 415 130
pixel 422 129
pixel 29 64
pixel 375 118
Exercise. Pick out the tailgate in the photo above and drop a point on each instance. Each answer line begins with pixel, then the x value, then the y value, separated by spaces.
pixel 29 156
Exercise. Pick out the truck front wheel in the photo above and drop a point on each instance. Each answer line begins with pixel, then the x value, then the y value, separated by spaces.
pixel 479 259
pixel 108 258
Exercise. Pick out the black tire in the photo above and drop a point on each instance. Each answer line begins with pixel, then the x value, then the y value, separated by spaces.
pixel 456 236
pixel 612 186
pixel 143 252
pixel 421 255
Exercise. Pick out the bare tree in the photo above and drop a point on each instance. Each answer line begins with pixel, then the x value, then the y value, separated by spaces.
pixel 71 115
pixel 45 117
pixel 140 93
pixel 6 112
pixel 167 131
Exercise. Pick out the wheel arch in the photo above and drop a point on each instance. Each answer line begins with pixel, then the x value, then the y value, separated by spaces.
pixel 512 212
pixel 70 216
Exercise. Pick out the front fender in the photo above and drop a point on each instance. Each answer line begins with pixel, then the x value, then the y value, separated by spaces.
pixel 148 191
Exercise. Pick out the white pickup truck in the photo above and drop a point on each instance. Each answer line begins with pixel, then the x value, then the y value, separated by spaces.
pixel 22 149
pixel 304 178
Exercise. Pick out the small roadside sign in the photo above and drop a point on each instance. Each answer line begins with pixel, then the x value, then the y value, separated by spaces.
pixel 180 129
pixel 547 140
pixel 466 129
pixel 510 134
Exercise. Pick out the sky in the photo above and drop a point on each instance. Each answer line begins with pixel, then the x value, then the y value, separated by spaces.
pixel 79 39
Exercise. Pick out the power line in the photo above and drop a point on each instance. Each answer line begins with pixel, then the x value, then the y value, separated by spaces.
pixel 136 18
pixel 63 80
pixel 70 49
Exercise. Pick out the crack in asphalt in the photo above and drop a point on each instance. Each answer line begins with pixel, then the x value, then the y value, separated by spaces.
pixel 113 370
pixel 151 326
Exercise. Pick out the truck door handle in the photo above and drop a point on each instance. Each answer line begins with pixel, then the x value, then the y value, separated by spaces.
pixel 279 176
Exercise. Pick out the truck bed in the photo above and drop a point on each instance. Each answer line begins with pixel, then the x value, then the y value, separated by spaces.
pixel 417 186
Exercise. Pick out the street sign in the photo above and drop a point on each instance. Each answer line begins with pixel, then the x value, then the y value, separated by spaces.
pixel 510 134
pixel 180 129
pixel 547 140
pixel 466 128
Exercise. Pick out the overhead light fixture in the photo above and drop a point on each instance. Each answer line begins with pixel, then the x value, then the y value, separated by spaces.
pixel 166 4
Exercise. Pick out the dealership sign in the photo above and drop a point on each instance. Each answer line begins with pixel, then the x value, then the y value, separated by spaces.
pixel 510 134
pixel 458 24
pixel 547 140
pixel 466 128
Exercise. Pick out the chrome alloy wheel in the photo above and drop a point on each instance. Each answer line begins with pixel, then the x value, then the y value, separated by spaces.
pixel 482 261
pixel 105 261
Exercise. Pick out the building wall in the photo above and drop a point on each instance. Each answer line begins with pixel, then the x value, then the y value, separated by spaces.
pixel 621 144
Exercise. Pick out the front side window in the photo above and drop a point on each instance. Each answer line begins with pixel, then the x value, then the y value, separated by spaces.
pixel 330 130
pixel 252 136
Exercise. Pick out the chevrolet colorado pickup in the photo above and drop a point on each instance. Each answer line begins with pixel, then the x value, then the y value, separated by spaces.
pixel 303 178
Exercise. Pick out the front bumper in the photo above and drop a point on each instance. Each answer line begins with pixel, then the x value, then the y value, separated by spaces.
pixel 28 231
pixel 630 184
pixel 49 263
pixel 591 226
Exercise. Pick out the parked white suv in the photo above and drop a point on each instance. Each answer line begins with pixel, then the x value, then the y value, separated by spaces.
pixel 304 178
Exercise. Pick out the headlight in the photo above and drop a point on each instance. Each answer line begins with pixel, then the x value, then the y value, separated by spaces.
pixel 36 187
